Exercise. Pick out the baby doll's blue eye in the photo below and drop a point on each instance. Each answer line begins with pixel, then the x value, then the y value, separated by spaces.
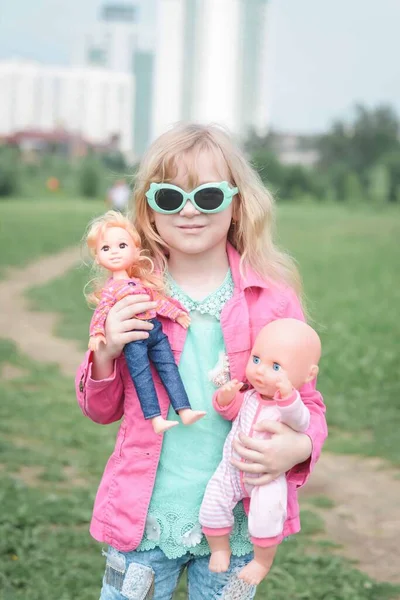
pixel 276 367
pixel 123 245
pixel 256 360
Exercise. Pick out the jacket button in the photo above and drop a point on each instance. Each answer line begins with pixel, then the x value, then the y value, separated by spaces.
pixel 81 384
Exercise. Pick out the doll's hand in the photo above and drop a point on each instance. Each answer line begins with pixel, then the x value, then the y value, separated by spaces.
pixel 272 457
pixel 95 341
pixel 228 391
pixel 183 320
pixel 284 386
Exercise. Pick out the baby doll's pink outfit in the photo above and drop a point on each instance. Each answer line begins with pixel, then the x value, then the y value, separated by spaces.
pixel 268 503
pixel 116 289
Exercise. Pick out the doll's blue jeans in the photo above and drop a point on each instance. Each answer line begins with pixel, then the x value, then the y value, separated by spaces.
pixel 157 349
pixel 150 575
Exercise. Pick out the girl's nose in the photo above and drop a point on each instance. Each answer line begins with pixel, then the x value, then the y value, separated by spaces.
pixel 189 210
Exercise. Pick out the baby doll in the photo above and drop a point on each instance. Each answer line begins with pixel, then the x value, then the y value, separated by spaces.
pixel 115 245
pixel 285 355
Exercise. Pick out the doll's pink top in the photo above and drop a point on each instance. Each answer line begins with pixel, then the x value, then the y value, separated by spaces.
pixel 116 289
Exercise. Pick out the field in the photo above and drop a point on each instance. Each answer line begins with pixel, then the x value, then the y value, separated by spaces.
pixel 51 458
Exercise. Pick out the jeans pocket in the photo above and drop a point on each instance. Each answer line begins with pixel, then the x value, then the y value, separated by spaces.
pixel 138 582
pixel 236 589
pixel 135 582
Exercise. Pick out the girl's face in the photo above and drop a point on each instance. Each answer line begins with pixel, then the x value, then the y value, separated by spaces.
pixel 116 250
pixel 191 231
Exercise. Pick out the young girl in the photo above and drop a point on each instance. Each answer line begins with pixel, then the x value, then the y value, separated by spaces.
pixel 205 220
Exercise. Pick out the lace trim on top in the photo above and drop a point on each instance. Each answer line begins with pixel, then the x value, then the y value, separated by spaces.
pixel 211 304
pixel 177 532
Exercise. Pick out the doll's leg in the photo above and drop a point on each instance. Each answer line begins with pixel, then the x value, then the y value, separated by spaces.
pixel 268 509
pixel 216 518
pixel 161 355
pixel 137 360
pixel 259 567
pixel 267 515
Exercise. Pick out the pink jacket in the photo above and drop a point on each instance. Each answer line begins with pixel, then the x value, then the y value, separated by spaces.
pixel 126 487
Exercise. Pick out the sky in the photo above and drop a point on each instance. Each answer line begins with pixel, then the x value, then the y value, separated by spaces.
pixel 324 55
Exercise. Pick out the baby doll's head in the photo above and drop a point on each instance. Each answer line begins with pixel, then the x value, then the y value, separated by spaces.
pixel 283 347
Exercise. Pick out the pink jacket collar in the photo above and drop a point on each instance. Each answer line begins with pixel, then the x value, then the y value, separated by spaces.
pixel 250 278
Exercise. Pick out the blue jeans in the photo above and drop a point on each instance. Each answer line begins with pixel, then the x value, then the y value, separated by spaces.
pixel 157 349
pixel 151 575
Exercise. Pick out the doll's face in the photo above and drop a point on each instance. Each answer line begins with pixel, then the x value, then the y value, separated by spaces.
pixel 285 348
pixel 265 366
pixel 116 250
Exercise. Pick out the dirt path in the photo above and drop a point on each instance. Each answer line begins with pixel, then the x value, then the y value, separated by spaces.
pixel 33 331
pixel 365 519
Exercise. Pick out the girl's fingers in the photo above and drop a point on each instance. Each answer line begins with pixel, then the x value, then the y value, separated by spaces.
pixel 130 300
pixel 133 336
pixel 128 312
pixel 136 325
pixel 248 467
pixel 246 453
pixel 259 445
pixel 262 480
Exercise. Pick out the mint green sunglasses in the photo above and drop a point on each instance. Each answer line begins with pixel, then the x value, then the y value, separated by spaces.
pixel 168 199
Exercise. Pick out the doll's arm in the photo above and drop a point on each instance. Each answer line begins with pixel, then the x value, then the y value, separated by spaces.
pixel 100 400
pixel 293 412
pixel 317 429
pixel 166 308
pixel 228 400
pixel 97 324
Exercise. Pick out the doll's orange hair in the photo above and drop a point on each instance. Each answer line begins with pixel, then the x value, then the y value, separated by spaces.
pixel 143 269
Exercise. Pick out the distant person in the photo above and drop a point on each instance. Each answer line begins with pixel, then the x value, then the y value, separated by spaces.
pixel 205 219
pixel 118 196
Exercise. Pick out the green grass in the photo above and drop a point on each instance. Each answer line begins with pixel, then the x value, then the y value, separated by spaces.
pixel 349 262
pixel 33 228
pixel 51 457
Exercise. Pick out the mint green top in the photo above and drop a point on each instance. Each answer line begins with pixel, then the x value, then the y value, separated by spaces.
pixel 191 454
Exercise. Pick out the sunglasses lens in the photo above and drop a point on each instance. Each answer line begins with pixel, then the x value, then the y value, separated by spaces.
pixel 168 200
pixel 209 198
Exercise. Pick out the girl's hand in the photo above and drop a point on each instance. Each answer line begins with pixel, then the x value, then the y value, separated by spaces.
pixel 122 326
pixel 273 457
pixel 228 391
pixel 183 320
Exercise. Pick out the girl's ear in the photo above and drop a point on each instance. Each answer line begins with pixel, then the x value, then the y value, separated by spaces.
pixel 235 213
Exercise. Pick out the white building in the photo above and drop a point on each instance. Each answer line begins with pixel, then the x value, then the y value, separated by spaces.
pixel 112 41
pixel 210 64
pixel 94 102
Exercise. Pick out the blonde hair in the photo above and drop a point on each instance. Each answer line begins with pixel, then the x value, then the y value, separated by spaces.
pixel 143 269
pixel 253 208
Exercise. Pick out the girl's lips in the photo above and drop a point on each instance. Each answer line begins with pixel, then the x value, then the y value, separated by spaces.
pixel 191 226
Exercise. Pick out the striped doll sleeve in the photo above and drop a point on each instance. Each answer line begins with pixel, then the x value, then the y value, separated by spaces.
pixel 97 324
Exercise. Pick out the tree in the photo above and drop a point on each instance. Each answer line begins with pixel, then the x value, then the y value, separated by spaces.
pixel 362 143
pixel 9 170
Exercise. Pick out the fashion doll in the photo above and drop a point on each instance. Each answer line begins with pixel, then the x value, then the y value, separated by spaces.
pixel 285 355
pixel 115 245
